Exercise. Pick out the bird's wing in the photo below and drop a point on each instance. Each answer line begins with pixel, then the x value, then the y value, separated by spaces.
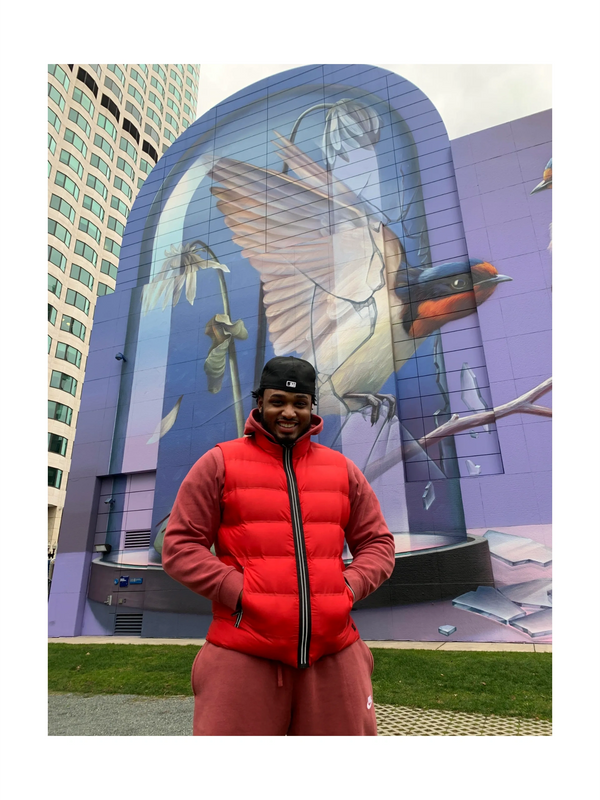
pixel 319 253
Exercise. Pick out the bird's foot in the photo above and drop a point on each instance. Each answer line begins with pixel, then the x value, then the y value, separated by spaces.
pixel 376 402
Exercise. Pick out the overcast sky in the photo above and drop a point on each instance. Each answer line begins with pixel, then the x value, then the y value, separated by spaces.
pixel 469 97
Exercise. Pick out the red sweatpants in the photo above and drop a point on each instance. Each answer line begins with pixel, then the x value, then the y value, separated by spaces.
pixel 241 695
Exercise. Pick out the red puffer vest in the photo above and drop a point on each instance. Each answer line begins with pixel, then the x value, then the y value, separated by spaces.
pixel 283 519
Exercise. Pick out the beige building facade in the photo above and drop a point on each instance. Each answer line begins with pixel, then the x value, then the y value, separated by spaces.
pixel 108 124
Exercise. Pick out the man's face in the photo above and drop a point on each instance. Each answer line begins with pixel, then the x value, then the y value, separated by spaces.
pixel 286 415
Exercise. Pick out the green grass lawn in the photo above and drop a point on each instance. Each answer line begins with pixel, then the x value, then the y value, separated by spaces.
pixel 505 684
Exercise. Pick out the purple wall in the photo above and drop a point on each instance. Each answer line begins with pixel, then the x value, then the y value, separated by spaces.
pixel 496 169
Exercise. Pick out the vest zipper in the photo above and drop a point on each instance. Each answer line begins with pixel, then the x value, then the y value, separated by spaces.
pixel 301 562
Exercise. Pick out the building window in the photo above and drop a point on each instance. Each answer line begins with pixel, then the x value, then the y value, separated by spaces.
pixel 97 70
pixel 76 141
pixel 88 227
pixel 184 122
pixel 112 246
pixel 147 148
pixel 63 180
pixel 49 343
pixel 86 78
pixel 71 162
pixel 51 314
pixel 145 166
pixel 56 97
pixel 82 275
pixel 120 184
pixel 59 412
pixel 103 289
pixel 126 167
pixel 173 105
pixel 172 121
pixel 128 148
pixel 51 144
pixel 144 68
pixel 130 128
pixel 112 86
pixel 131 90
pixel 59 74
pixel 58 380
pixel 116 226
pixel 80 121
pixel 165 147
pixel 54 120
pixel 57 444
pixel 97 185
pixel 131 109
pixel 150 130
pixel 54 477
pixel 101 142
pixel 54 285
pixel 176 78
pixel 175 91
pixel 108 269
pixel 56 258
pixel 93 206
pixel 73 298
pixel 160 71
pixel 81 97
pixel 100 164
pixel 86 251
pixel 68 353
pixel 119 205
pixel 106 124
pixel 140 183
pixel 187 110
pixel 137 78
pixel 168 135
pixel 157 85
pixel 58 230
pixel 72 325
pixel 60 205
pixel 118 72
pixel 153 116
pixel 107 103
pixel 154 99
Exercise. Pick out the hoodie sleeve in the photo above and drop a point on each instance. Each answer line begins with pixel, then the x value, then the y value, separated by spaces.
pixel 192 529
pixel 368 537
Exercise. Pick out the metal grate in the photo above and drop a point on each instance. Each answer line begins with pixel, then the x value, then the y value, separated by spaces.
pixel 128 624
pixel 136 539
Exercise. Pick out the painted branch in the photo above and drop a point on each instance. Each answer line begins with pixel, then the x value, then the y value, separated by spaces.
pixel 233 365
pixel 457 424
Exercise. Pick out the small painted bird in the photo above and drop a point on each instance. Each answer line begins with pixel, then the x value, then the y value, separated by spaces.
pixel 546 182
pixel 338 289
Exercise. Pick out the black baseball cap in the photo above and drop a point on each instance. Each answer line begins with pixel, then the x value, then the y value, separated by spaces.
pixel 290 374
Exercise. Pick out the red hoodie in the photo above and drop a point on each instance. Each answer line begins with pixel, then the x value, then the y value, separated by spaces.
pixel 197 514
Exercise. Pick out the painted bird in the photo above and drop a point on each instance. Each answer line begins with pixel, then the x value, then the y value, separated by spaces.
pixel 337 285
pixel 546 182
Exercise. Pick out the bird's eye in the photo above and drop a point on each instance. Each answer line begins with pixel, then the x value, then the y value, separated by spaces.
pixel 459 283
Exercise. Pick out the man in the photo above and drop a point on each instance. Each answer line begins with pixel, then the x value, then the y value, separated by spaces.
pixel 283 656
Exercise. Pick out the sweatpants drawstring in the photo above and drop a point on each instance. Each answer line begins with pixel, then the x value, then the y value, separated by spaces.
pixel 279 675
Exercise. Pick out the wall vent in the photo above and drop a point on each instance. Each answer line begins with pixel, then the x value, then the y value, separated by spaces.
pixel 136 539
pixel 128 624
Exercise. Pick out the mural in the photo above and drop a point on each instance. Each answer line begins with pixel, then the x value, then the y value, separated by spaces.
pixel 321 213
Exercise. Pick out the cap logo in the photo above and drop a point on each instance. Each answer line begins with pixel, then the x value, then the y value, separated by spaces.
pixel 291 384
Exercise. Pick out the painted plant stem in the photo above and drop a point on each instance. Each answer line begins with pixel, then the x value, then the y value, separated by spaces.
pixel 233 365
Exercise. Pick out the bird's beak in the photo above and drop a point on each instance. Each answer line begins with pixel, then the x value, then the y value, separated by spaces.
pixel 495 279
pixel 540 186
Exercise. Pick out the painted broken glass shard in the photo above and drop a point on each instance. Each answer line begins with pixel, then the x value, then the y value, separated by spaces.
pixel 470 393
pixel 489 603
pixel 537 624
pixel 428 496
pixel 473 469
pixel 530 593
pixel 447 629
pixel 516 550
